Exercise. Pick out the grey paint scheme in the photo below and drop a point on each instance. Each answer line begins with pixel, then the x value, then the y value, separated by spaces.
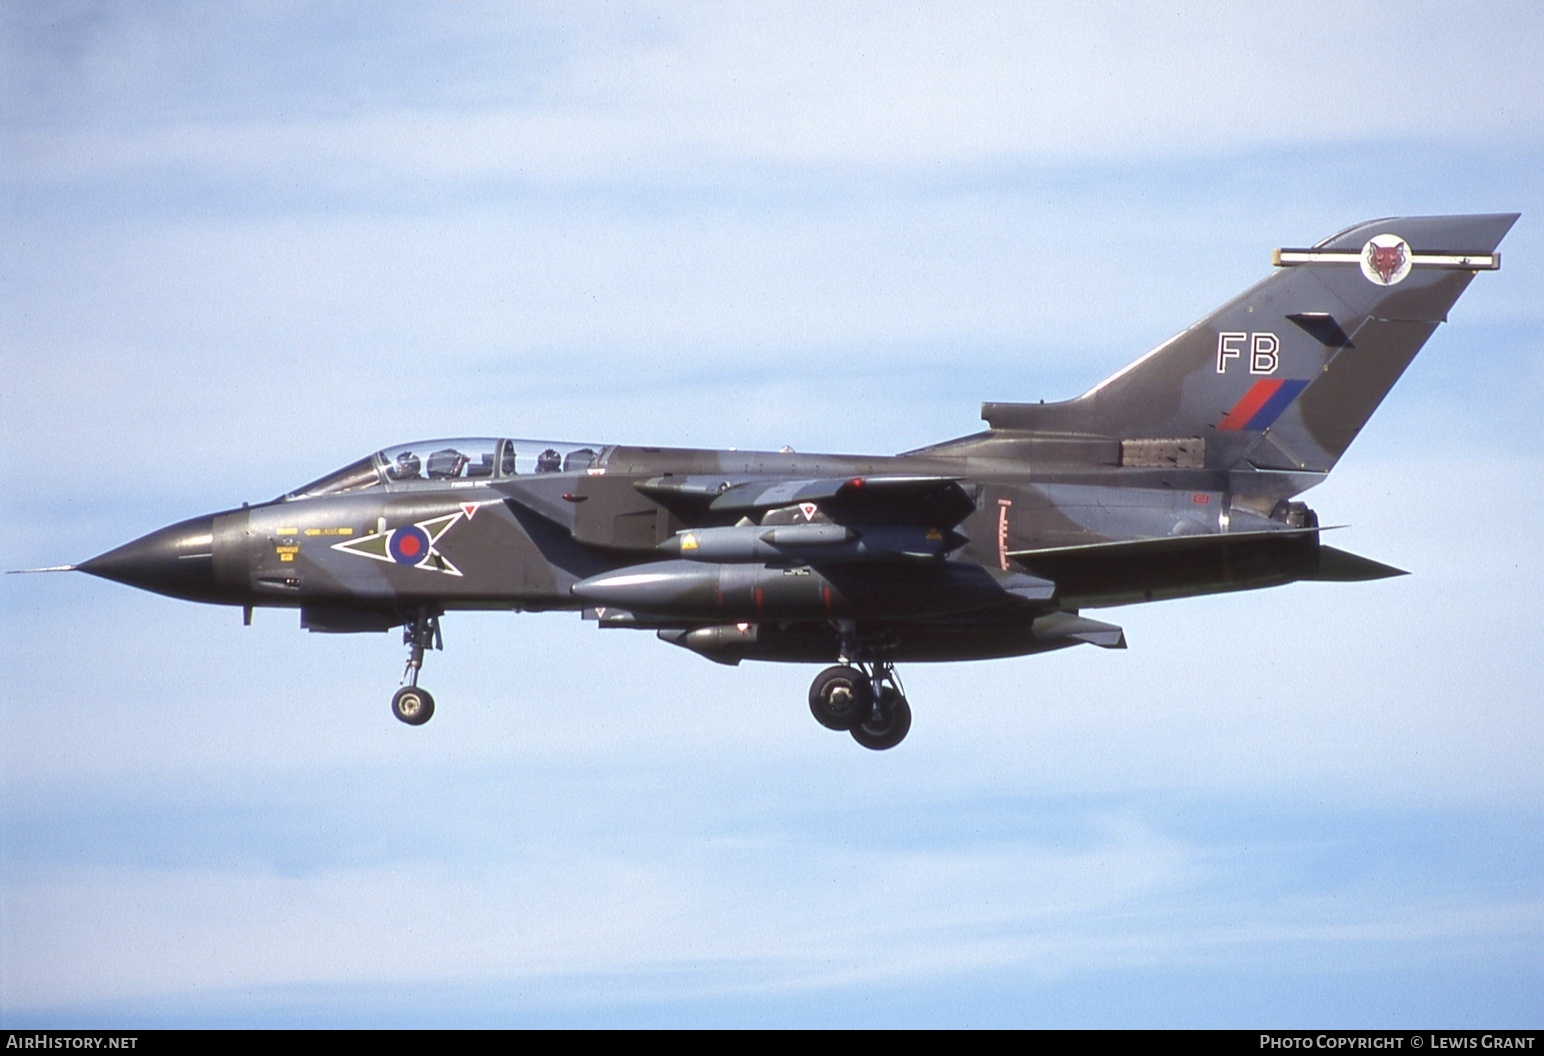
pixel 1157 483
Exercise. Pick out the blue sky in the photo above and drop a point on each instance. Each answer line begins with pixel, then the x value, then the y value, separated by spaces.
pixel 247 244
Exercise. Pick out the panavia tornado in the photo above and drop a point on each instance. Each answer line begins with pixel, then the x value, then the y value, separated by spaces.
pixel 1175 477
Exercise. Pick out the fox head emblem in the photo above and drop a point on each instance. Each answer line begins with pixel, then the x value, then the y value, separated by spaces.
pixel 1385 260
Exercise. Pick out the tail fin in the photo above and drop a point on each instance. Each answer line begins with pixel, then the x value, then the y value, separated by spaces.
pixel 1285 375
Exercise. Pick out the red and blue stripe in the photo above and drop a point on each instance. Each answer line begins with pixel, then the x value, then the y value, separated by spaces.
pixel 1261 405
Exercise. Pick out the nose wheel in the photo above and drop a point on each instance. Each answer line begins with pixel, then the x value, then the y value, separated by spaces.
pixel 410 704
pixel 864 699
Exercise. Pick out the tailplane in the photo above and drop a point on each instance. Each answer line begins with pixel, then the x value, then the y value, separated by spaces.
pixel 1285 375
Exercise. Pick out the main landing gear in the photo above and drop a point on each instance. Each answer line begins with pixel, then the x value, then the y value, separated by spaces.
pixel 412 705
pixel 864 699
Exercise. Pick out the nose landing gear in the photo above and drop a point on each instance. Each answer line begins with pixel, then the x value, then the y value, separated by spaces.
pixel 410 704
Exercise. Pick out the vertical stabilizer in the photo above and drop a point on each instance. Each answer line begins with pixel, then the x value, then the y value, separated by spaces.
pixel 1285 375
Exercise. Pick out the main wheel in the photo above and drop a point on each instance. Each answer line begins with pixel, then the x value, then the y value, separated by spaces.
pixel 892 727
pixel 412 705
pixel 839 697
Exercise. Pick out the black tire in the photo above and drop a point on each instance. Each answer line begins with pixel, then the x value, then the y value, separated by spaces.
pixel 891 730
pixel 412 705
pixel 839 697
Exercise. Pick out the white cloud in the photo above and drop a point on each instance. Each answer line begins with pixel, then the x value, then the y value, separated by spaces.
pixel 668 90
pixel 686 919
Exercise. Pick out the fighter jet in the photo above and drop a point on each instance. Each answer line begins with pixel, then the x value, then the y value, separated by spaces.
pixel 1173 478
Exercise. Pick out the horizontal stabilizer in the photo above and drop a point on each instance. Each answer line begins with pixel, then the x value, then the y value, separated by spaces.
pixel 1127 572
pixel 1167 544
pixel 1337 566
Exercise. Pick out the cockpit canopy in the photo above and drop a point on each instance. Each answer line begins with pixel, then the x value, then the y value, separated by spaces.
pixel 444 462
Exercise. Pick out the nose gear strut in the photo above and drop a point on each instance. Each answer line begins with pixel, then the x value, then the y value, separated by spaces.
pixel 412 705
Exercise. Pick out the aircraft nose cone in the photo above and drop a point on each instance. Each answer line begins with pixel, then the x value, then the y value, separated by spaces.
pixel 177 561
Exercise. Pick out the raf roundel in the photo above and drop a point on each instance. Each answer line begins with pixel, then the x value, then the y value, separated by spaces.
pixel 408 545
pixel 1386 259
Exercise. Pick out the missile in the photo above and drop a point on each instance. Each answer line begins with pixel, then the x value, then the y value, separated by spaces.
pixel 721 643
